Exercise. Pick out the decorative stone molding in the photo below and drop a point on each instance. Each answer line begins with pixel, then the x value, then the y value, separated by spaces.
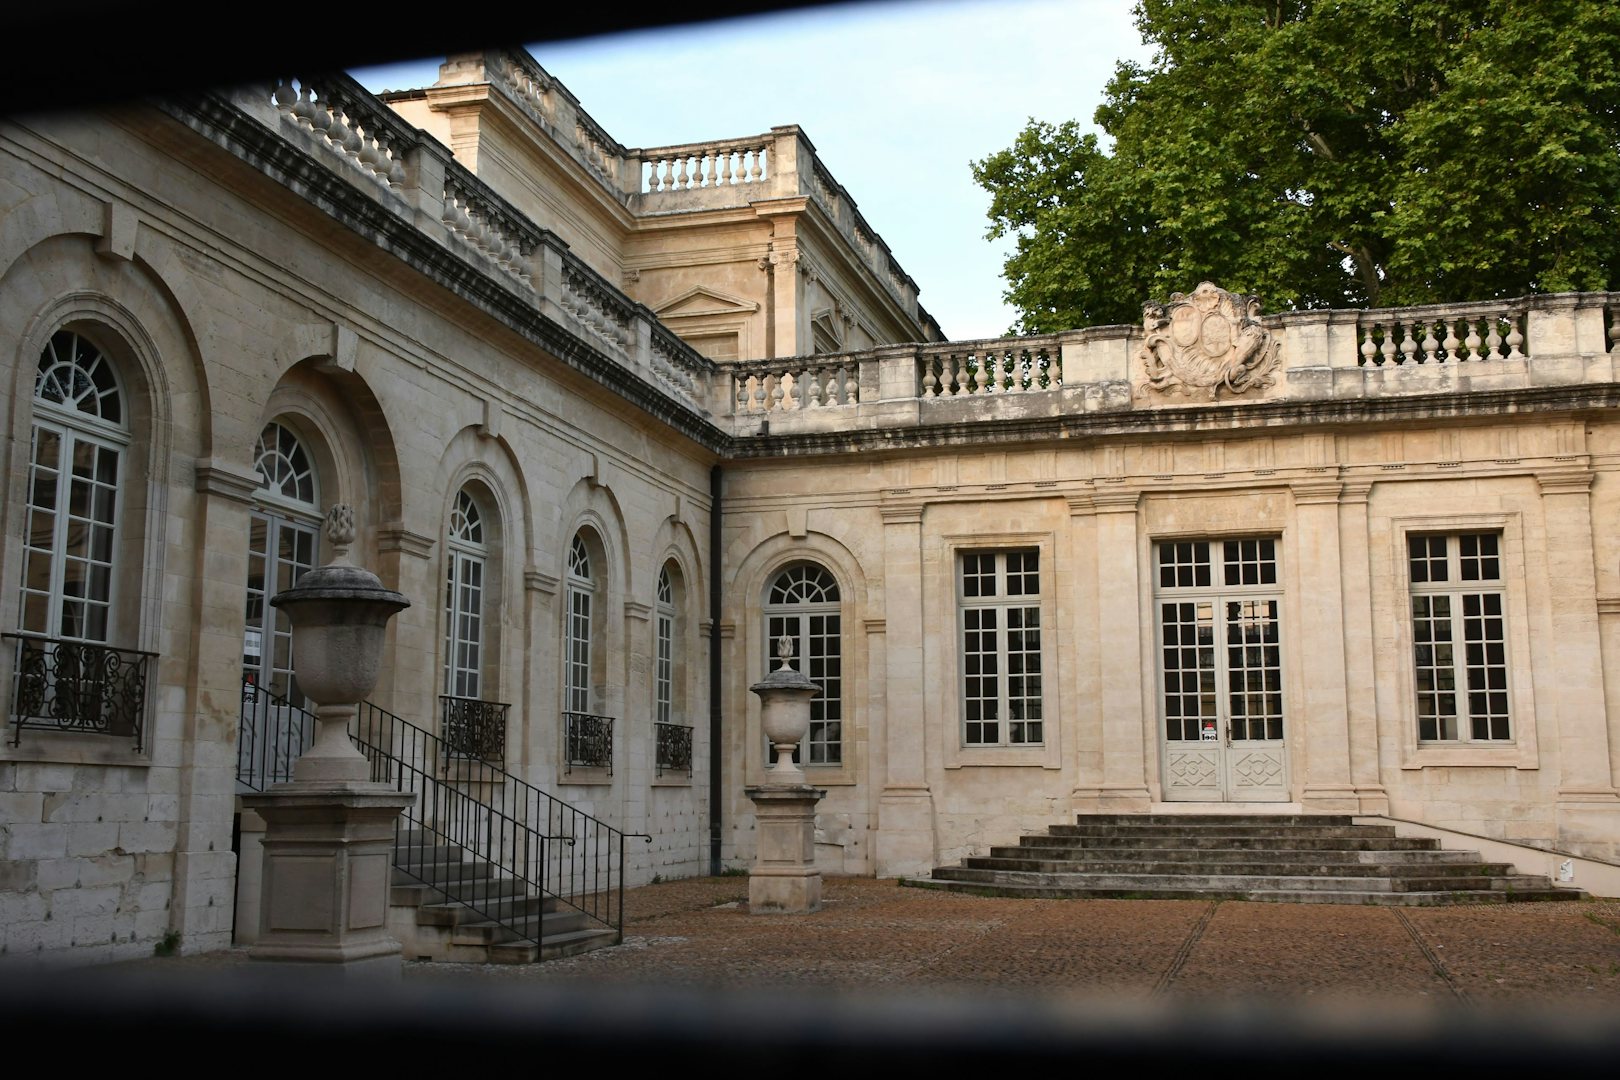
pixel 396 537
pixel 541 582
pixel 1205 341
pixel 225 479
pixel 1576 481
pixel 1608 605
pixel 1357 491
pixel 491 426
pixel 1316 492
pixel 908 513
pixel 1116 502
pixel 635 609
pixel 118 236
pixel 875 626
pixel 1080 505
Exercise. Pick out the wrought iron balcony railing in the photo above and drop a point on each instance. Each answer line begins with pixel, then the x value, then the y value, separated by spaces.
pixel 472 728
pixel 588 740
pixel 78 686
pixel 673 744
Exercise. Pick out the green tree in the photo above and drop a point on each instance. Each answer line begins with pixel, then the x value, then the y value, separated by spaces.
pixel 1344 153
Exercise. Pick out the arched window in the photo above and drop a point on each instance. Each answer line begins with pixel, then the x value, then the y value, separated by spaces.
pixel 664 655
pixel 802 604
pixel 282 545
pixel 75 466
pixel 466 553
pixel 581 592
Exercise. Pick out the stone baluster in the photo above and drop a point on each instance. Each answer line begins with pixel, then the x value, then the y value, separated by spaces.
pixel 1473 341
pixel 1386 350
pixel 1451 343
pixel 963 380
pixel 852 383
pixel 1054 368
pixel 1515 339
pixel 1614 331
pixel 1408 342
pixel 1369 350
pixel 981 376
pixel 1493 337
pixel 1431 344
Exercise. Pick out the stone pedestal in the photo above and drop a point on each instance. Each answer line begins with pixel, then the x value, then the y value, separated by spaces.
pixel 784 879
pixel 328 861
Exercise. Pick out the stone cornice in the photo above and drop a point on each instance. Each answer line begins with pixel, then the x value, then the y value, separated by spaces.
pixel 1567 480
pixel 907 513
pixel 635 609
pixel 396 537
pixel 875 626
pixel 1608 605
pixel 541 582
pixel 1250 418
pixel 1315 492
pixel 226 480
pixel 1116 502
pixel 219 121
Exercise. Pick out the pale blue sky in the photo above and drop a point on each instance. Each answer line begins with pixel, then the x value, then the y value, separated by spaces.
pixel 897 97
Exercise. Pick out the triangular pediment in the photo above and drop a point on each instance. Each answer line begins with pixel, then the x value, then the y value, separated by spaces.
pixel 702 301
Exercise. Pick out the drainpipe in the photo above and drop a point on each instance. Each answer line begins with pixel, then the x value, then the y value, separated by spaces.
pixel 715 686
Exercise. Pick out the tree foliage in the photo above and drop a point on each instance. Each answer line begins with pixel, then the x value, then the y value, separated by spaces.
pixel 1326 153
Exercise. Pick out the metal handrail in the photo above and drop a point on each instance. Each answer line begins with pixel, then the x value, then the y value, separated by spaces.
pixel 519 847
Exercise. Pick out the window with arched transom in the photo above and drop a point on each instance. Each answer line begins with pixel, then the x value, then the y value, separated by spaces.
pixel 75 471
pixel 283 542
pixel 802 605
pixel 579 634
pixel 467 555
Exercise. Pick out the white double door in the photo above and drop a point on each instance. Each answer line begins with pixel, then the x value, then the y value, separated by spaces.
pixel 1220 673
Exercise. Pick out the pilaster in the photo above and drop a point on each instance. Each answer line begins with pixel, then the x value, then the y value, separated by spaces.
pixel 905 837
pixel 1585 783
pixel 1324 694
pixel 1361 700
pixel 1125 655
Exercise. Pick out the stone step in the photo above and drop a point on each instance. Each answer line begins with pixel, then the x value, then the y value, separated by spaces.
pixel 1336 857
pixel 1298 857
pixel 1256 843
pixel 1223 882
pixel 1223 829
pixel 1385 899
pixel 1245 868
pixel 1271 820
pixel 527 928
pixel 555 948
pixel 483 909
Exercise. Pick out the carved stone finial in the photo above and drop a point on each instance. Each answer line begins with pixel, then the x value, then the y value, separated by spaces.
pixel 784 652
pixel 340 530
pixel 1207 340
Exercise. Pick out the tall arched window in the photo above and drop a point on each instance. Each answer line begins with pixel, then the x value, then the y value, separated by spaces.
pixel 282 545
pixel 466 552
pixel 664 655
pixel 581 592
pixel 802 604
pixel 80 432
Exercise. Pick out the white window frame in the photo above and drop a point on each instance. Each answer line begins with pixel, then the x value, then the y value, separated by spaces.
pixel 828 707
pixel 279 512
pixel 466 580
pixel 664 645
pixel 73 427
pixel 1395 665
pixel 1462 725
pixel 1005 606
pixel 579 628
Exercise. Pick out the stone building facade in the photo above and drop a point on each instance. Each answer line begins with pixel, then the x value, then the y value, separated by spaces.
pixel 614 419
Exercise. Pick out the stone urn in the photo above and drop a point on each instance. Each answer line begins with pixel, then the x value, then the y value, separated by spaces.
pixel 339 614
pixel 784 713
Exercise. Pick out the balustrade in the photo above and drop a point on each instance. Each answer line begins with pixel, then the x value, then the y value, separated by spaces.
pixel 1007 366
pixel 78 686
pixel 598 307
pixel 796 384
pixel 588 741
pixel 354 125
pixel 472 728
pixel 712 165
pixel 474 220
pixel 673 746
pixel 1432 335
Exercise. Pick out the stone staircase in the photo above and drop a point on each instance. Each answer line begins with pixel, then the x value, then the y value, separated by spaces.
pixel 500 925
pixel 1319 859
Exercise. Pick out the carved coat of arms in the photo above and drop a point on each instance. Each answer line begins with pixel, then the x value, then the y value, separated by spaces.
pixel 1206 341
